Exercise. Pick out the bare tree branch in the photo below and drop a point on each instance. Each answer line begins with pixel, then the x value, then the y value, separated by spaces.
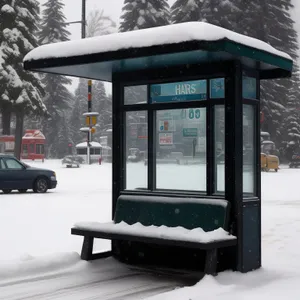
pixel 100 24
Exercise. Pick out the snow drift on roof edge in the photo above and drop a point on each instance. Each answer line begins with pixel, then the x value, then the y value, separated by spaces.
pixel 170 34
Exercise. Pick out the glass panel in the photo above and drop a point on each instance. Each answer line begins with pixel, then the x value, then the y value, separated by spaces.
pixel 135 94
pixel 219 139
pixel 217 88
pixel 39 149
pixel 248 149
pixel 136 149
pixel 181 149
pixel 31 148
pixel 25 150
pixel 249 88
pixel 13 164
pixel 178 91
pixel 82 151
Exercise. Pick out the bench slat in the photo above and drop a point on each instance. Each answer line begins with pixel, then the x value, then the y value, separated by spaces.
pixel 154 240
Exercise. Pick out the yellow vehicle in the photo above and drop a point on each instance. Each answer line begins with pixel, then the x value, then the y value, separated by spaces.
pixel 269 162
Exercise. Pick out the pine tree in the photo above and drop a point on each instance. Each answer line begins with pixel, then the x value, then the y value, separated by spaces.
pixel 186 11
pixel 276 95
pixel 100 103
pixel 290 127
pixel 267 20
pixel 76 120
pixel 58 98
pixel 20 89
pixel 63 138
pixel 217 12
pixel 144 14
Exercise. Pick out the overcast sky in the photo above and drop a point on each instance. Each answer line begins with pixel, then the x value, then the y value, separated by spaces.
pixel 113 8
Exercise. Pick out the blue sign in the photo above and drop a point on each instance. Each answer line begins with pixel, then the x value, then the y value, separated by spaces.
pixel 249 88
pixel 190 132
pixel 217 88
pixel 178 91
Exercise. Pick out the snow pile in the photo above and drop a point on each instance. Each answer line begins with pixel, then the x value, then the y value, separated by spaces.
pixel 170 34
pixel 263 284
pixel 104 279
pixel 33 266
pixel 163 232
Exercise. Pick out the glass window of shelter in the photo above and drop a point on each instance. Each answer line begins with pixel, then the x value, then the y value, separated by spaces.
pixel 177 158
pixel 250 107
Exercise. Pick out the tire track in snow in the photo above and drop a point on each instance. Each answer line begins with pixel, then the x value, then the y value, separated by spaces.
pixel 104 280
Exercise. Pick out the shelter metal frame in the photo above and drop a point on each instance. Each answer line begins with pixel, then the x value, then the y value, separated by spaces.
pixel 233 102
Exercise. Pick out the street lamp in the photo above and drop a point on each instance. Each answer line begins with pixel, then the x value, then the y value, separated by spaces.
pixel 83 20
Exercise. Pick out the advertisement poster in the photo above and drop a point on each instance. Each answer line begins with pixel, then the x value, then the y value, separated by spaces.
pixel 166 138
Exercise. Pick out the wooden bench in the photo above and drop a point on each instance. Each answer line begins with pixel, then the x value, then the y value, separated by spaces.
pixel 134 215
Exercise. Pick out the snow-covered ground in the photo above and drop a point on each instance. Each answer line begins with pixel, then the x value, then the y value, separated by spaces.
pixel 39 257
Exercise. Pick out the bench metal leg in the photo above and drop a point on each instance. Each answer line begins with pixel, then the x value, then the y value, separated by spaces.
pixel 87 248
pixel 211 262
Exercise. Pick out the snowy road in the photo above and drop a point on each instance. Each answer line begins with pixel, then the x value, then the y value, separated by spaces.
pixel 78 280
pixel 37 258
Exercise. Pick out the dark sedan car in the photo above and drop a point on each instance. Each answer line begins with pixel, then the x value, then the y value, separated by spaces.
pixel 15 175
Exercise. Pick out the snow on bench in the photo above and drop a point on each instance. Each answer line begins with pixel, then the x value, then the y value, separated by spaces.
pixel 179 233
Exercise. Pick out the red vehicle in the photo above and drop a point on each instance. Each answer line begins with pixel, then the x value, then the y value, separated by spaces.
pixel 33 145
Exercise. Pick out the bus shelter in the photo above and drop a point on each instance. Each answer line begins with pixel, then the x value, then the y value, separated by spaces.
pixel 187 91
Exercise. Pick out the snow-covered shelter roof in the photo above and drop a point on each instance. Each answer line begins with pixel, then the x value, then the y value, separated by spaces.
pixel 187 43
pixel 93 144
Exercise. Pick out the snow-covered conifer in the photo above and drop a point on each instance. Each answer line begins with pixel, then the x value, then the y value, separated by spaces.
pixel 57 99
pixel 141 14
pixel 21 90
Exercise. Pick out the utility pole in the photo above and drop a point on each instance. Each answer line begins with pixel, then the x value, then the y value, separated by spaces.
pixel 89 139
pixel 90 117
pixel 83 34
pixel 83 19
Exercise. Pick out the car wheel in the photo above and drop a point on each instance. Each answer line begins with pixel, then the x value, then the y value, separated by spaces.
pixel 6 191
pixel 22 191
pixel 40 185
